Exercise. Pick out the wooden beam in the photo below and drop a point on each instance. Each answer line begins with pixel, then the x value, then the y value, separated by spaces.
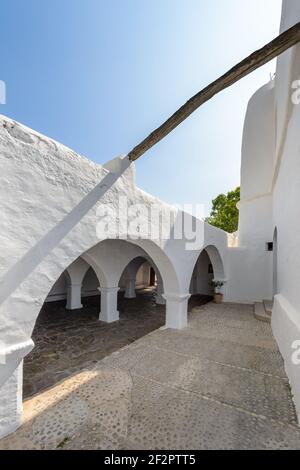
pixel 261 57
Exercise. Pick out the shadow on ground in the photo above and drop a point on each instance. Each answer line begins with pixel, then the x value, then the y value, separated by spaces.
pixel 217 384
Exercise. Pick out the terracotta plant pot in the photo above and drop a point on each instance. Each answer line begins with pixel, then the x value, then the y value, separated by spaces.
pixel 218 298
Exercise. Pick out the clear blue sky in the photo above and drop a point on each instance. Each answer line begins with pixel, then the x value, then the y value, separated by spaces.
pixel 99 75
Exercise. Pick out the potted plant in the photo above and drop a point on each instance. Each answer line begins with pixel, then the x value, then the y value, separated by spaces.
pixel 218 296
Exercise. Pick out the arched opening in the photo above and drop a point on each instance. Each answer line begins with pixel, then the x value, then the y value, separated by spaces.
pixel 208 267
pixel 275 253
pixel 90 284
pixel 68 335
pixel 90 291
pixel 143 276
pixel 141 294
pixel 137 275
pixel 152 277
pixel 62 332
pixel 59 289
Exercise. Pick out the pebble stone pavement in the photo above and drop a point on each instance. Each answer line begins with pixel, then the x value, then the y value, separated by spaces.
pixel 217 384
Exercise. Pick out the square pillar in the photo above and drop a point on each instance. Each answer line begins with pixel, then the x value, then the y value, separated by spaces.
pixel 109 304
pixel 74 297
pixel 176 310
pixel 130 289
pixel 11 402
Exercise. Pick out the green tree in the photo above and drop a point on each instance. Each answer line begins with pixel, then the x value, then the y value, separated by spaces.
pixel 224 213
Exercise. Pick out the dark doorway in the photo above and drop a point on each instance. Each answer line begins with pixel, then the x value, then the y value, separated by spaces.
pixel 152 277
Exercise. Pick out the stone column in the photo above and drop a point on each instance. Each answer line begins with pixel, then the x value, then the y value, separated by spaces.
pixel 130 289
pixel 109 304
pixel 11 402
pixel 11 384
pixel 74 296
pixel 176 310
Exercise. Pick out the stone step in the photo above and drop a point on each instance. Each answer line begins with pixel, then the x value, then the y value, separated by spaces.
pixel 260 313
pixel 268 305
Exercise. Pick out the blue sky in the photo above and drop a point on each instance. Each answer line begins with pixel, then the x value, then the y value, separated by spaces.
pixel 99 75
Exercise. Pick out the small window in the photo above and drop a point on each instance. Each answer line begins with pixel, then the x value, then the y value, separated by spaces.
pixel 269 246
pixel 210 269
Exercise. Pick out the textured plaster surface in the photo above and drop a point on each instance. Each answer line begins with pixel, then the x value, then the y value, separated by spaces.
pixel 219 383
pixel 50 199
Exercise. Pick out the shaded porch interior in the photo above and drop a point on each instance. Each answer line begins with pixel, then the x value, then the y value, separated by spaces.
pixel 70 339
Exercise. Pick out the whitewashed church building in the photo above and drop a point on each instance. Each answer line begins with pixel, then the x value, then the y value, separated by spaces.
pixel 52 200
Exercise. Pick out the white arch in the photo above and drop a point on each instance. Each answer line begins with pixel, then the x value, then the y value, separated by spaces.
pixel 130 271
pixel 99 271
pixel 133 266
pixel 110 257
pixel 216 261
pixel 76 271
pixel 75 274
pixel 163 264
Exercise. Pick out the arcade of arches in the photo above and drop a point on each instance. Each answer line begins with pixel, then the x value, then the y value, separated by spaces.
pixel 68 335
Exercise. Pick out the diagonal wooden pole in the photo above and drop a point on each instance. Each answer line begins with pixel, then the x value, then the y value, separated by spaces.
pixel 261 57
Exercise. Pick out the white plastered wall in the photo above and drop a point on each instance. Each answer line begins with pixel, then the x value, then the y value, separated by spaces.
pixel 49 197
pixel 286 208
pixel 270 194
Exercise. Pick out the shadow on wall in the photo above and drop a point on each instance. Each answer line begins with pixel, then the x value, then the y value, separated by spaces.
pixel 19 272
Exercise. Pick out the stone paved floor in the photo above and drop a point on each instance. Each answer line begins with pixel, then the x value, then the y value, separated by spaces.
pixel 68 341
pixel 218 384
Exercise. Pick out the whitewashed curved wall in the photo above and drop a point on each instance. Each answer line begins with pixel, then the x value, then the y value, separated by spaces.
pixel 255 207
pixel 255 224
pixel 270 195
pixel 286 208
pixel 258 144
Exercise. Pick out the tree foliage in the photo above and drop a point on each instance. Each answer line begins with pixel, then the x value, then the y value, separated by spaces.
pixel 224 213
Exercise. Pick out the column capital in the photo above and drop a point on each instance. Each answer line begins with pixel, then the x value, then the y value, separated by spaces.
pixel 176 297
pixel 10 357
pixel 74 284
pixel 107 290
pixel 176 310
